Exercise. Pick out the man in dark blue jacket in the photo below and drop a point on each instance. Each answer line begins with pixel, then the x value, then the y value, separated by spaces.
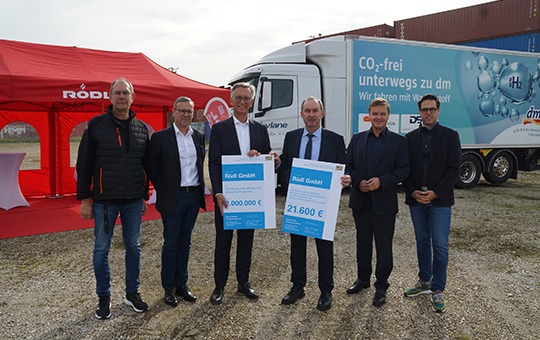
pixel 112 180
pixel 377 160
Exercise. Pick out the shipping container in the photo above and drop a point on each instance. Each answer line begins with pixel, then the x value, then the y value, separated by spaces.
pixel 480 22
pixel 523 43
pixel 381 31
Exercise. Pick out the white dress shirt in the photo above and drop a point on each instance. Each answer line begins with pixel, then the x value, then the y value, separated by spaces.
pixel 242 132
pixel 188 157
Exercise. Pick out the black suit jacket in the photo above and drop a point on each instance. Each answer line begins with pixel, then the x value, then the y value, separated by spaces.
pixel 164 168
pixel 223 141
pixel 391 167
pixel 443 166
pixel 332 150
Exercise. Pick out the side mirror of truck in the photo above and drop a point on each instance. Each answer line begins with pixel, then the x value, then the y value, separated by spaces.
pixel 265 100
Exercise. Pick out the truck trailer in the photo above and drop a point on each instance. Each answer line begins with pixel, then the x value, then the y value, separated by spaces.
pixel 490 97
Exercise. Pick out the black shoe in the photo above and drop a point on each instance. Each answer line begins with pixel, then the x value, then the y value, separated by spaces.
pixel 170 298
pixel 292 296
pixel 380 298
pixel 217 296
pixel 104 308
pixel 325 302
pixel 185 294
pixel 249 292
pixel 134 300
pixel 357 287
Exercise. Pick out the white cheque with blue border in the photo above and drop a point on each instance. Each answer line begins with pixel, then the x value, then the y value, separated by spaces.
pixel 249 188
pixel 313 199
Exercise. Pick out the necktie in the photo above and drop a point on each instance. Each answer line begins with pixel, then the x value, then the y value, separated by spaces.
pixel 309 146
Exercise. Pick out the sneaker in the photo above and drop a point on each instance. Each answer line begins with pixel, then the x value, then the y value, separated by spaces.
pixel 419 288
pixel 437 302
pixel 134 300
pixel 104 308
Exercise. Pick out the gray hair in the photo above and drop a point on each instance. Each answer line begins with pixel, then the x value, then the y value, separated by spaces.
pixel 183 99
pixel 246 86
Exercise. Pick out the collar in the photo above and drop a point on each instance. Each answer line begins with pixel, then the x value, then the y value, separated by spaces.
pixel 317 133
pixel 383 132
pixel 177 131
pixel 236 121
pixel 432 127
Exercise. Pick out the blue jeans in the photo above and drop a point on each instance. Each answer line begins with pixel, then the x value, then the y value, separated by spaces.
pixel 177 228
pixel 131 219
pixel 432 230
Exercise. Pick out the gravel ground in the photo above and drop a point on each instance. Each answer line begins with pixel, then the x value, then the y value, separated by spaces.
pixel 47 283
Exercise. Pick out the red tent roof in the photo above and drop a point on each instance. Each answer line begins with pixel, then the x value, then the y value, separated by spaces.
pixel 46 75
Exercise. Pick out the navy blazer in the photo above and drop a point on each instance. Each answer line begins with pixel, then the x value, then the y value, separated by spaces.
pixel 391 167
pixel 164 168
pixel 332 149
pixel 443 167
pixel 224 141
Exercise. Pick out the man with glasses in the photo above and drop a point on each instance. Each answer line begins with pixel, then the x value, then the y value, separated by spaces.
pixel 435 158
pixel 111 180
pixel 176 170
pixel 235 136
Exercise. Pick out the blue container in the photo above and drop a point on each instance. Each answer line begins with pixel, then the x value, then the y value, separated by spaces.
pixel 528 42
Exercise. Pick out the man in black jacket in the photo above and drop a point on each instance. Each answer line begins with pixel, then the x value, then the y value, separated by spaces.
pixel 435 156
pixel 111 180
pixel 237 135
pixel 176 170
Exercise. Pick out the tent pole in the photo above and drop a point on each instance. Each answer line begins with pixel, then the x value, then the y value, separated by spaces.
pixel 52 150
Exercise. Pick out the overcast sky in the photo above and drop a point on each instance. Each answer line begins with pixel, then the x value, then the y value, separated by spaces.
pixel 207 40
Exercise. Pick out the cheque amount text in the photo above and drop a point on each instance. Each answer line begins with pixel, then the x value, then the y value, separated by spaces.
pixel 244 203
pixel 304 210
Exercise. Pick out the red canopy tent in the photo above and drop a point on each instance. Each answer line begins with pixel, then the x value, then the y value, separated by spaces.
pixel 54 88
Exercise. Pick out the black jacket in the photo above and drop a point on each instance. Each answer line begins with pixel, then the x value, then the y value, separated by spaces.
pixel 164 168
pixel 111 163
pixel 442 169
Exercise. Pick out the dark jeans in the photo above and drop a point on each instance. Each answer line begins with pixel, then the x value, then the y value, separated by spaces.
pixel 131 218
pixel 432 230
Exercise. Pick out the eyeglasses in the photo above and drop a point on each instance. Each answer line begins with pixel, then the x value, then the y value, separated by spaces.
pixel 240 98
pixel 430 109
pixel 185 112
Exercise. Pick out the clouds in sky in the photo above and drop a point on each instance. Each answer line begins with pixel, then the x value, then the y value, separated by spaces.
pixel 208 40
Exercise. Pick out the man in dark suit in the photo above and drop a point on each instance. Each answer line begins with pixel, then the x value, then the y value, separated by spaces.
pixel 176 170
pixel 312 142
pixel 377 160
pixel 235 136
pixel 435 156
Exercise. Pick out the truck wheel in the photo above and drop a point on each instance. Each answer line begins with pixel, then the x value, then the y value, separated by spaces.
pixel 470 172
pixel 501 167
